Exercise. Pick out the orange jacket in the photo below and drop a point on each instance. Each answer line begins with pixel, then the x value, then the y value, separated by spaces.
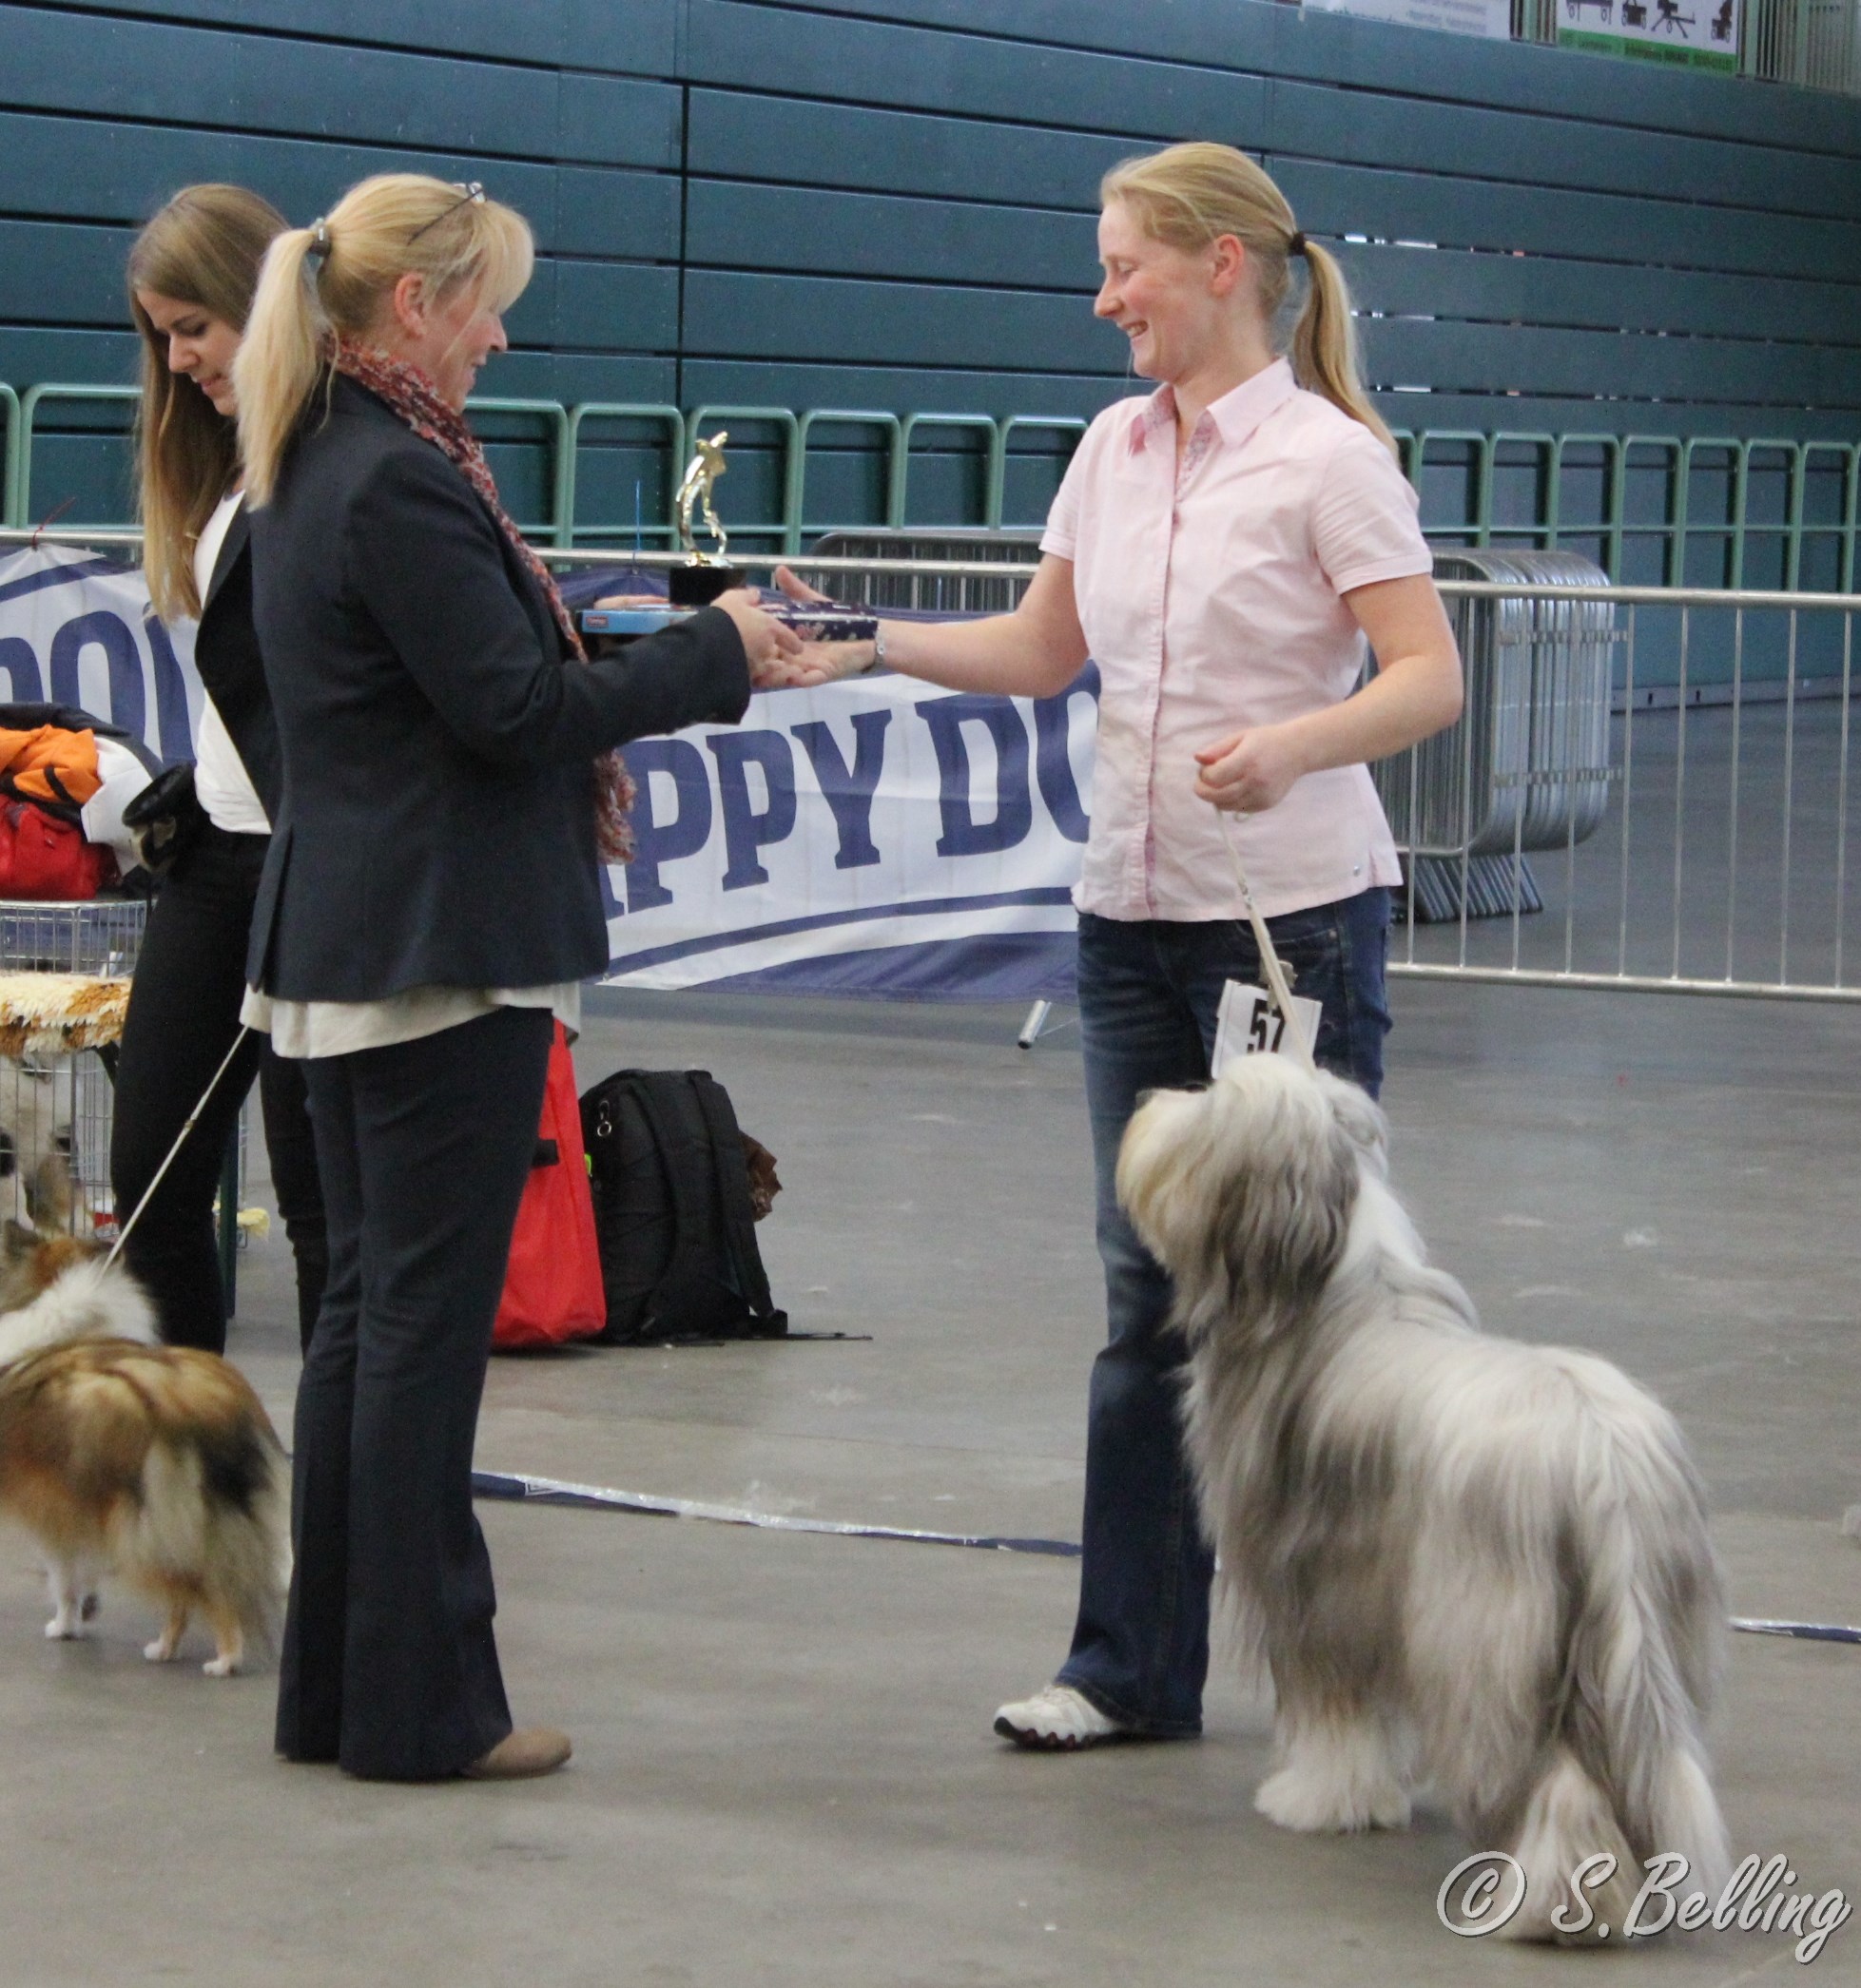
pixel 50 763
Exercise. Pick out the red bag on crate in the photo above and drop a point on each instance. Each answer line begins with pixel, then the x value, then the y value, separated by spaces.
pixel 43 858
pixel 553 1288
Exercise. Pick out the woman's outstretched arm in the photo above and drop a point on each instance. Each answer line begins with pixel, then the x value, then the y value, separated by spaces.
pixel 1034 651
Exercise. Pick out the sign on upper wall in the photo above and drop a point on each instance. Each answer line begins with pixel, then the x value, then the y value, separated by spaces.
pixel 1492 18
pixel 1700 35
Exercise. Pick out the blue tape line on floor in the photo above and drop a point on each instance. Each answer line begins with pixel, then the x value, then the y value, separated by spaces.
pixel 557 1490
pixel 554 1490
pixel 1807 1632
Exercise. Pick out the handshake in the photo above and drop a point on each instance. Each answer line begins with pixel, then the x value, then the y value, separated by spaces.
pixel 781 657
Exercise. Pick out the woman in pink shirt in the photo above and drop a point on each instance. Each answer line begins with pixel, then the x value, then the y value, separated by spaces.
pixel 1222 550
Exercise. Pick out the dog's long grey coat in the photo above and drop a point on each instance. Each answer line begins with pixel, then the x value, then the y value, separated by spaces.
pixel 1480 1561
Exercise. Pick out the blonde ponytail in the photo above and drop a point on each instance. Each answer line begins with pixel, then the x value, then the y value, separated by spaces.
pixel 278 359
pixel 1191 194
pixel 337 278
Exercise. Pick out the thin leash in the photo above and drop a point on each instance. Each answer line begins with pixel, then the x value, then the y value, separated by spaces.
pixel 1277 984
pixel 180 1140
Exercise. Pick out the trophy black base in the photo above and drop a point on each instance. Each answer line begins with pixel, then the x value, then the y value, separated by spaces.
pixel 699 586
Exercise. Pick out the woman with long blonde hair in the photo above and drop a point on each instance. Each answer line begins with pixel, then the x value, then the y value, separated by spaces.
pixel 191 276
pixel 1222 550
pixel 432 902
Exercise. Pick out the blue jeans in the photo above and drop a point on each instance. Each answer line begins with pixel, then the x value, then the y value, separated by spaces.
pixel 1147 995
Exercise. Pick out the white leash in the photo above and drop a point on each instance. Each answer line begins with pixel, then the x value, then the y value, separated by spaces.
pixel 180 1140
pixel 1277 984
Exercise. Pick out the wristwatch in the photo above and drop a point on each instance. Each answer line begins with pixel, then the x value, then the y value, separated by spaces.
pixel 878 652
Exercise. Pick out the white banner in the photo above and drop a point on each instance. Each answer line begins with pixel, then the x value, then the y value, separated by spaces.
pixel 875 835
pixel 78 629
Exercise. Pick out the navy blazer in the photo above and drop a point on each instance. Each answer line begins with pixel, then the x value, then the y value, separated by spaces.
pixel 436 823
pixel 227 655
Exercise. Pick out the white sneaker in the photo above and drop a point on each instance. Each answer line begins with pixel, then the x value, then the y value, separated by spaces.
pixel 1056 1720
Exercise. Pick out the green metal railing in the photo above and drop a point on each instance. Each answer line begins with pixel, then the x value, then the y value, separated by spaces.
pixel 1678 493
pixel 1052 424
pixel 569 458
pixel 22 416
pixel 16 456
pixel 901 466
pixel 794 511
pixel 1677 464
pixel 554 418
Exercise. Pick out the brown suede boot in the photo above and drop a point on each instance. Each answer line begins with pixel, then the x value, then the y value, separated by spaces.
pixel 521 1755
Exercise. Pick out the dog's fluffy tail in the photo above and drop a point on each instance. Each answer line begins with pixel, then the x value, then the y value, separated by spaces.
pixel 1627 1774
pixel 209 1525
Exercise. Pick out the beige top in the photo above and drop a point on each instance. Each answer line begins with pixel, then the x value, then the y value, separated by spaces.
pixel 302 1030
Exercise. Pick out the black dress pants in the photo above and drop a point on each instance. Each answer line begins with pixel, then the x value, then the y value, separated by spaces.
pixel 389 1664
pixel 183 1014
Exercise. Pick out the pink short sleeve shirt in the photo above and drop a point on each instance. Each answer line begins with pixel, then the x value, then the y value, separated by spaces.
pixel 1210 600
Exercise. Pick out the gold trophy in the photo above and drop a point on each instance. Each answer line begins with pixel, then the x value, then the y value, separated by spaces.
pixel 704 575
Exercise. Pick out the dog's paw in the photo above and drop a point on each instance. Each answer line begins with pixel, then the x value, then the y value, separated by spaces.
pixel 222 1667
pixel 160 1652
pixel 66 1627
pixel 1297 1798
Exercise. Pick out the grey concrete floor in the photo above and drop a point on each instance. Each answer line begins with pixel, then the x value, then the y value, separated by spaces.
pixel 784 1772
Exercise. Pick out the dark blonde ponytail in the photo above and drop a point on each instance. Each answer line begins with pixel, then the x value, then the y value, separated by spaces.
pixel 1191 194
pixel 1325 344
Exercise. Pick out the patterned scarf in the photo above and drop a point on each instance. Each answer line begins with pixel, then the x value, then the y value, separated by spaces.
pixel 412 395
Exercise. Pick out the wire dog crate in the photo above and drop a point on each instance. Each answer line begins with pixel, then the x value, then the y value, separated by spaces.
pixel 59 1104
pixel 56 1102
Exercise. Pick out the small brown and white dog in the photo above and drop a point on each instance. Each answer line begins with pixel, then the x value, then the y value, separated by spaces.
pixel 117 1452
pixel 1464 1559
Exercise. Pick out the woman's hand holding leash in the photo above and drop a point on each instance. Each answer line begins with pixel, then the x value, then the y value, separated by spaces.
pixel 1250 771
pixel 1278 987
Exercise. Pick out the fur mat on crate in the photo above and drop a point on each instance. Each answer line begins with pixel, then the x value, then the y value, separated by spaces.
pixel 52 1015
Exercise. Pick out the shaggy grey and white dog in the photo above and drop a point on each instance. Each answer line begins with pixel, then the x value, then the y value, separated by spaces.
pixel 1465 1560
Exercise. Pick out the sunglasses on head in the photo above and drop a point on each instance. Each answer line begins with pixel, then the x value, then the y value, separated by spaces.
pixel 471 194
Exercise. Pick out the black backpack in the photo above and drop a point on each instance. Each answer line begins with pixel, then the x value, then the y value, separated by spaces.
pixel 672 1213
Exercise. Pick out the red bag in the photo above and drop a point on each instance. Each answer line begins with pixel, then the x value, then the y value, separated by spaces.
pixel 44 858
pixel 553 1288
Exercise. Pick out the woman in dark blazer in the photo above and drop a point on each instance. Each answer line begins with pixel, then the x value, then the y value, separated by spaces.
pixel 192 273
pixel 432 898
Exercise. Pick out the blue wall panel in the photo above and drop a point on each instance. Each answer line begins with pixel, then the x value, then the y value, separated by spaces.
pixel 891 204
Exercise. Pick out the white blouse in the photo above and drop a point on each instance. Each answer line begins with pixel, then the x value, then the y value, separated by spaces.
pixel 222 784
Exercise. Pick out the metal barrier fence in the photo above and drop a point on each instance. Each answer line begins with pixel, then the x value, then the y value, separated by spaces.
pixel 1575 827
pixel 1691 839
pixel 1721 512
pixel 1572 829
pixel 1717 860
